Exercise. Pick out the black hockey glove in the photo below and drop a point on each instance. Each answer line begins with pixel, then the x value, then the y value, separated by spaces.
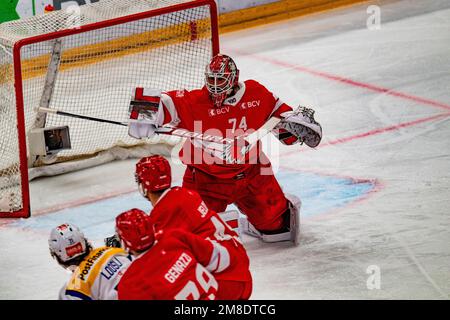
pixel 113 241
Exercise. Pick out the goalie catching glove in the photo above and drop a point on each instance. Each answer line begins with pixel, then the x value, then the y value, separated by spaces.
pixel 299 126
pixel 144 111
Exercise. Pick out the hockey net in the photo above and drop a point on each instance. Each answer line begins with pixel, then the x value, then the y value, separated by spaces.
pixel 88 61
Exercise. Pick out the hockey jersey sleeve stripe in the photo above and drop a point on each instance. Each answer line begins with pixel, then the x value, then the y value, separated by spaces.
pixel 277 106
pixel 169 105
pixel 220 258
pixel 164 117
pixel 77 294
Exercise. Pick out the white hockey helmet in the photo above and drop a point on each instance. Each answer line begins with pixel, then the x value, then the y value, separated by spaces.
pixel 66 243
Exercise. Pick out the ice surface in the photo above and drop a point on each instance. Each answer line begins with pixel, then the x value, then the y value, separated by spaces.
pixel 375 193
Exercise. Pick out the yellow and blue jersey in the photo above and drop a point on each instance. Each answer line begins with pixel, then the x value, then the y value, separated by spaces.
pixel 97 276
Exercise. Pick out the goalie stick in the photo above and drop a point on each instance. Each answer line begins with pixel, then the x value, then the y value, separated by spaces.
pixel 250 139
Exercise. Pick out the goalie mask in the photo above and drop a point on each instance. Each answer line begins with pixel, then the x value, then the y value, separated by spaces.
pixel 135 230
pixel 67 244
pixel 153 174
pixel 221 76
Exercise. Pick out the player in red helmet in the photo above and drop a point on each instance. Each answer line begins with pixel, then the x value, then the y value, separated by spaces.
pixel 134 228
pixel 230 108
pixel 153 176
pixel 181 208
pixel 169 265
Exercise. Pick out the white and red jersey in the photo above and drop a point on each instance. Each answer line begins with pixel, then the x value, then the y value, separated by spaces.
pixel 244 112
pixel 180 266
pixel 181 208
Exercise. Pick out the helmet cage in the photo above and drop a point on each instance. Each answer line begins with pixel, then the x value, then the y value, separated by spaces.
pixel 218 83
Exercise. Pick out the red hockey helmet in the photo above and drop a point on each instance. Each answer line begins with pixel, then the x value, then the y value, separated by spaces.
pixel 221 76
pixel 153 174
pixel 135 229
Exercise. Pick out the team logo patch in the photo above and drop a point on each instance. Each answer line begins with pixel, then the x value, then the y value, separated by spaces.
pixel 250 104
pixel 218 111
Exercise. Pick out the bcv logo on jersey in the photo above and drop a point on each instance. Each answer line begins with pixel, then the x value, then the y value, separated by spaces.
pixel 250 104
pixel 218 111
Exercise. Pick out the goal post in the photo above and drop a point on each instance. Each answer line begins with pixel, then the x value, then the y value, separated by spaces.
pixel 89 61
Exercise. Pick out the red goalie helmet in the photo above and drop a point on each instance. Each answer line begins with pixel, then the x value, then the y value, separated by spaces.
pixel 135 229
pixel 221 76
pixel 153 174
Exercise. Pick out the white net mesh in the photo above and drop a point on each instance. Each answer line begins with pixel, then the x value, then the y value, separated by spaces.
pixel 98 73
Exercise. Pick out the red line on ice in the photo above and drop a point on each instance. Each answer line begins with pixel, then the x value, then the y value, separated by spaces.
pixel 361 85
pixel 348 81
pixel 82 201
pixel 375 132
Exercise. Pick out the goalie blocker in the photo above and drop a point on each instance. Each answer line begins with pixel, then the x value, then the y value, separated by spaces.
pixel 144 113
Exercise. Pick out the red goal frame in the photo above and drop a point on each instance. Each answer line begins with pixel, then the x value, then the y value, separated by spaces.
pixel 25 212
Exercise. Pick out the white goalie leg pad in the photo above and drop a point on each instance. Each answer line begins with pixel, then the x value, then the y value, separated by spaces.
pixel 294 207
pixel 231 218
pixel 294 225
pixel 246 227
pixel 278 237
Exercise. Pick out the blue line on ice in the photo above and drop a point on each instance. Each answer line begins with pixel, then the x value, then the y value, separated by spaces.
pixel 319 194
